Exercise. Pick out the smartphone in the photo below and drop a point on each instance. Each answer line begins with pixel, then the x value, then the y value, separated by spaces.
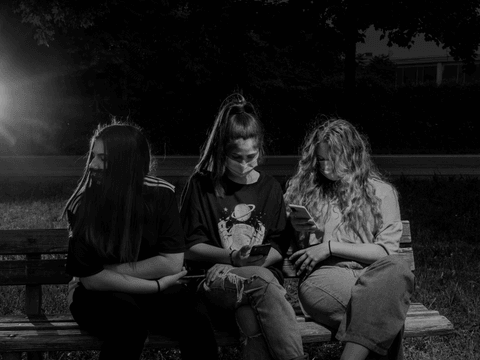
pixel 262 249
pixel 195 274
pixel 301 211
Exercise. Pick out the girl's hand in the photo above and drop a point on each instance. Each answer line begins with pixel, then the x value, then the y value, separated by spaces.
pixel 242 257
pixel 170 280
pixel 303 224
pixel 216 271
pixel 306 259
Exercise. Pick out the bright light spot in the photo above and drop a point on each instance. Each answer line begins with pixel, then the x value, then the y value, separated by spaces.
pixel 5 135
pixel 37 99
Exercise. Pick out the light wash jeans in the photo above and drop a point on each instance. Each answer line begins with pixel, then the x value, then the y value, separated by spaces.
pixel 366 306
pixel 265 318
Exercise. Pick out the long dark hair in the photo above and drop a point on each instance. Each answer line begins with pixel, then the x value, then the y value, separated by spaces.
pixel 110 215
pixel 236 119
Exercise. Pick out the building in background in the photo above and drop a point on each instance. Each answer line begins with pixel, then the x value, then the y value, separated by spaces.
pixel 423 62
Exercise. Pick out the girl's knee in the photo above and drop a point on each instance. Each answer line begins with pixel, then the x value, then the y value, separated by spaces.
pixel 399 265
pixel 395 269
pixel 324 307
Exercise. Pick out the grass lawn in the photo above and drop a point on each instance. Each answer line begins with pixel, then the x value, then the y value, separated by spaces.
pixel 445 217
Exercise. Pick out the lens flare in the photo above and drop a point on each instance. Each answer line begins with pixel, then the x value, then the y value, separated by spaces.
pixel 37 97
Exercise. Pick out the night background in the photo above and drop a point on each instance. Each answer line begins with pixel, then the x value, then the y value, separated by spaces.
pixel 66 66
pixel 167 65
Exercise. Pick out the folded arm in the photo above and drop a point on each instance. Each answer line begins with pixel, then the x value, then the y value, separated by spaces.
pixel 152 268
pixel 108 280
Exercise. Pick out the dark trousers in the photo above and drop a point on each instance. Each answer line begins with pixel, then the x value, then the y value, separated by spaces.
pixel 123 321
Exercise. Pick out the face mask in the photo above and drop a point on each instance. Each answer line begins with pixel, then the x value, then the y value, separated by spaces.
pixel 241 170
pixel 97 176
pixel 326 168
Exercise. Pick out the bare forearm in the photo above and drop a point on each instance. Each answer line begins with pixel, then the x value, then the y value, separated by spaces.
pixel 364 253
pixel 108 280
pixel 208 253
pixel 151 268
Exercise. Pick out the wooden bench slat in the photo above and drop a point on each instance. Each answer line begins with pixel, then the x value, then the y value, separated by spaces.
pixel 30 272
pixel 60 332
pixel 34 319
pixel 406 233
pixel 55 241
pixel 429 325
pixel 78 340
pixel 415 309
pixel 33 241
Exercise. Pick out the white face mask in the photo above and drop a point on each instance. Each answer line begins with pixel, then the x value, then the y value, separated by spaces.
pixel 239 170
pixel 326 168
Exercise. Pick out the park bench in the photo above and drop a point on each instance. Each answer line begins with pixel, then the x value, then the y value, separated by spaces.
pixel 36 332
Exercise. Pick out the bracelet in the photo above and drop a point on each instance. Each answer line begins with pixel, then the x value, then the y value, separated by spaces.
pixel 231 257
pixel 158 285
pixel 329 247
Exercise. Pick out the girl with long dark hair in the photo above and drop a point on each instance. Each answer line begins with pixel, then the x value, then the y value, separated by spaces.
pixel 126 252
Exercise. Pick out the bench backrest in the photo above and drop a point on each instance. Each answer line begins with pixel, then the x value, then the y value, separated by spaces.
pixel 40 267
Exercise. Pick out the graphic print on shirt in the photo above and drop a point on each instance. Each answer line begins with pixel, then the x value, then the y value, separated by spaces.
pixel 240 227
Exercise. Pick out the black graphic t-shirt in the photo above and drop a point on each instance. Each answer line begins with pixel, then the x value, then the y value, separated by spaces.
pixel 249 214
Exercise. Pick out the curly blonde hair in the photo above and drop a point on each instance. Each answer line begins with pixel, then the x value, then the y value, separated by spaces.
pixel 349 152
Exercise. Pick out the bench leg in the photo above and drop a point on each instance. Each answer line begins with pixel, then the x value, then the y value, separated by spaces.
pixel 12 356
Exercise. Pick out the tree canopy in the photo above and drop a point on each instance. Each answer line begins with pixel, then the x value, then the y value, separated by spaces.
pixel 167 64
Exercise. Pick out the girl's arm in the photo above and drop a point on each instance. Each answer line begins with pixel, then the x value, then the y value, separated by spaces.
pixel 152 268
pixel 364 253
pixel 208 253
pixel 108 280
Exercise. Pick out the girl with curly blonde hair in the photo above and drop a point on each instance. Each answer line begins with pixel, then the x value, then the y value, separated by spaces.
pixel 351 279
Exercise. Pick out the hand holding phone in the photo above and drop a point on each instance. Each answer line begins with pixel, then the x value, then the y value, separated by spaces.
pixel 262 249
pixel 301 219
pixel 300 211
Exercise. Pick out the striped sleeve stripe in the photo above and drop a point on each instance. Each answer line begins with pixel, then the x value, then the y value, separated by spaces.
pixel 74 204
pixel 157 182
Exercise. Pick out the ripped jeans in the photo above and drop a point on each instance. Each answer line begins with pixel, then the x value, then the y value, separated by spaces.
pixel 264 316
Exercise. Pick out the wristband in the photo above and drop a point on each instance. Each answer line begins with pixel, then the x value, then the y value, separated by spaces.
pixel 329 247
pixel 158 285
pixel 231 258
